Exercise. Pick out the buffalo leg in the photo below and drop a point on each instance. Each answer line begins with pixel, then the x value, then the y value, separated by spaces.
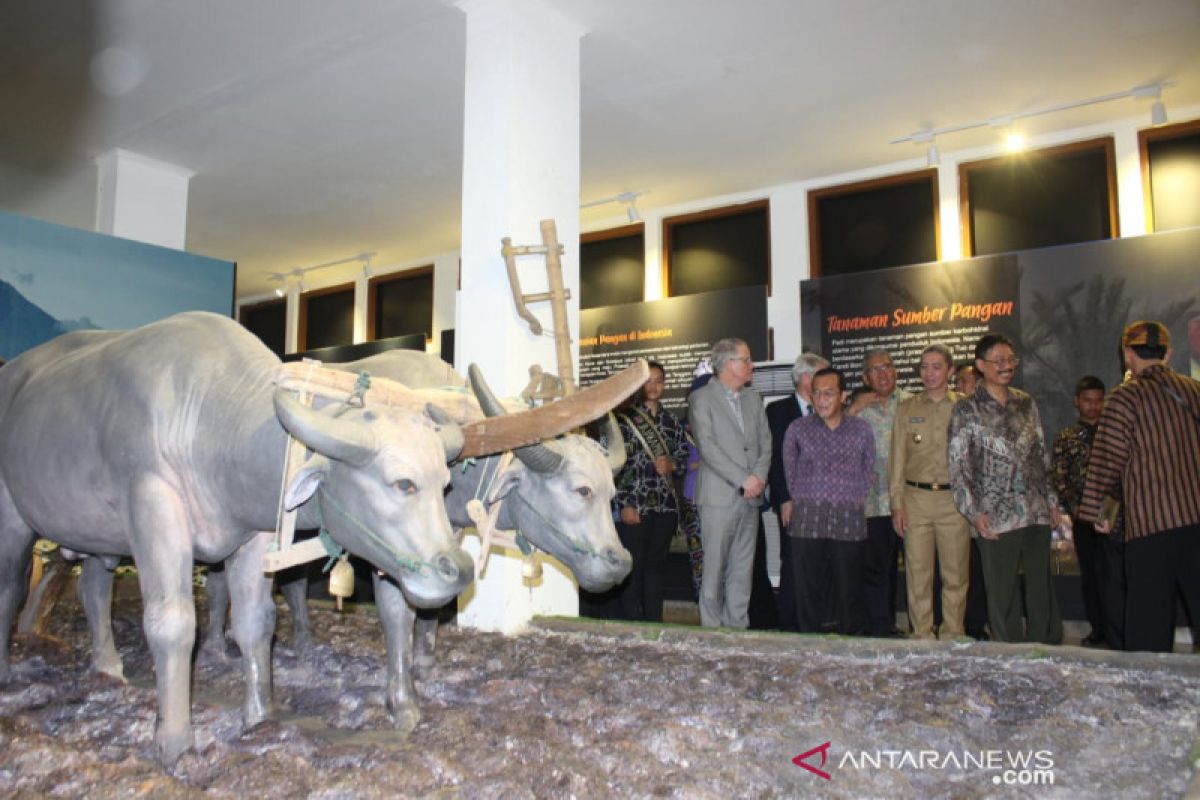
pixel 16 547
pixel 253 624
pixel 95 594
pixel 425 639
pixel 294 585
pixel 163 555
pixel 396 616
pixel 44 596
pixel 216 596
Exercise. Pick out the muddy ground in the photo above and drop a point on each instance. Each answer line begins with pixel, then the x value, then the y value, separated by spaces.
pixel 586 709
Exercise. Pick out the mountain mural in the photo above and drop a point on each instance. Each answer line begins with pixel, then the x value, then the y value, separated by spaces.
pixel 24 324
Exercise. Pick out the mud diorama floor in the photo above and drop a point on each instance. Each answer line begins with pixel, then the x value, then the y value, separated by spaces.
pixel 577 708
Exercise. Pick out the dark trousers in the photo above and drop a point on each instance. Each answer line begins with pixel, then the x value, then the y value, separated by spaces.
pixel 1112 551
pixel 1089 549
pixel 825 569
pixel 1021 553
pixel 1155 566
pixel 880 570
pixel 787 590
pixel 976 618
pixel 649 542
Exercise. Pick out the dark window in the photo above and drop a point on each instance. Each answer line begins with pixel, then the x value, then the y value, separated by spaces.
pixel 327 317
pixel 1171 175
pixel 612 266
pixel 719 249
pixel 873 224
pixel 1058 195
pixel 267 321
pixel 400 304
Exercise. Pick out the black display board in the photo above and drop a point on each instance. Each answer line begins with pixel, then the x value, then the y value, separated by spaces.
pixel 353 352
pixel 676 332
pixel 1065 308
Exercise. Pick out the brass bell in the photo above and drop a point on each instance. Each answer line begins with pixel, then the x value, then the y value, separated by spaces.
pixel 531 568
pixel 341 580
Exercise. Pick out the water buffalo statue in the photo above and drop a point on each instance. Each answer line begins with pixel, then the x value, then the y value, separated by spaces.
pixel 166 443
pixel 557 493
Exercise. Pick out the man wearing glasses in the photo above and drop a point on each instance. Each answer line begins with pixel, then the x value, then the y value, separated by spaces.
pixel 734 440
pixel 1000 482
pixel 877 408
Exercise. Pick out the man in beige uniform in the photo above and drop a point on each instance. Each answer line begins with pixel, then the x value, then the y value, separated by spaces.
pixel 923 511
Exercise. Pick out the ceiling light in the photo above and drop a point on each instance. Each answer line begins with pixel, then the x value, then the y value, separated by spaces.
pixel 628 198
pixel 932 156
pixel 1158 113
pixel 280 292
pixel 1014 142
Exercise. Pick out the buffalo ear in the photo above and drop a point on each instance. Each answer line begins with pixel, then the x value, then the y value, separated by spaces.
pixel 305 482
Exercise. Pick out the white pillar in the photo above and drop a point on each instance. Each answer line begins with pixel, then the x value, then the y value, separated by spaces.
pixel 142 198
pixel 520 166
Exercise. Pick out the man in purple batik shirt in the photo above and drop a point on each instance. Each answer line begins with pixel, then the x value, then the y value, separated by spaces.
pixel 829 462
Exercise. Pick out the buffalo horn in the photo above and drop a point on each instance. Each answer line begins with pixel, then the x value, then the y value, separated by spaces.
pixel 539 458
pixel 450 432
pixel 483 393
pixel 616 443
pixel 338 439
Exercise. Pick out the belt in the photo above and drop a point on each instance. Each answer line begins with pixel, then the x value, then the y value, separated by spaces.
pixel 930 487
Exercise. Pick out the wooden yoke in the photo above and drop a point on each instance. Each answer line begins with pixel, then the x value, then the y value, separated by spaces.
pixel 482 436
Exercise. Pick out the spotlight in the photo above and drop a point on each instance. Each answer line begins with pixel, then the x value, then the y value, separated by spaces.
pixel 1014 142
pixel 932 156
pixel 1158 113
pixel 280 292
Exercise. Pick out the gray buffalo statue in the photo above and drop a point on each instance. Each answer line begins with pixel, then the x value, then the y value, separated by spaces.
pixel 166 443
pixel 558 494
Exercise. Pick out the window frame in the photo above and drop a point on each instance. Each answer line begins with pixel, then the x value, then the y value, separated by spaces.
pixel 734 210
pixel 965 168
pixel 815 196
pixel 1174 130
pixel 302 322
pixel 376 281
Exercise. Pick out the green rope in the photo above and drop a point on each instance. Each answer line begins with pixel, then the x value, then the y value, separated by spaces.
pixel 357 394
pixel 410 564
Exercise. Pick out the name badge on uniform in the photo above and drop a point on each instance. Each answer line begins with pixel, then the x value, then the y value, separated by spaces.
pixel 915 420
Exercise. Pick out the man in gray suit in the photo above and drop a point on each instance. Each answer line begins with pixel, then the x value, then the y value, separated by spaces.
pixel 734 440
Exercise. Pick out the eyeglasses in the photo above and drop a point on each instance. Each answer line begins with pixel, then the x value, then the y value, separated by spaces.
pixel 1007 361
pixel 880 368
pixel 744 359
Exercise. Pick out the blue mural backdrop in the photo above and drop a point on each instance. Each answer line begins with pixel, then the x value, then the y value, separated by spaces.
pixel 55 279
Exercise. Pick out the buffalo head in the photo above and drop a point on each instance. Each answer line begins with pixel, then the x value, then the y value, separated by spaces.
pixel 378 475
pixel 559 496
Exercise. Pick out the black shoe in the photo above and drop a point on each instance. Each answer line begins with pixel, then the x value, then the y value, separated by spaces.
pixel 1093 639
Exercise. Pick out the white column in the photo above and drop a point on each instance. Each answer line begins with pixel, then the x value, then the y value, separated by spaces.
pixel 142 198
pixel 520 166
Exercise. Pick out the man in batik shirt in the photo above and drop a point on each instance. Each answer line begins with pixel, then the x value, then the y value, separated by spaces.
pixel 1000 481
